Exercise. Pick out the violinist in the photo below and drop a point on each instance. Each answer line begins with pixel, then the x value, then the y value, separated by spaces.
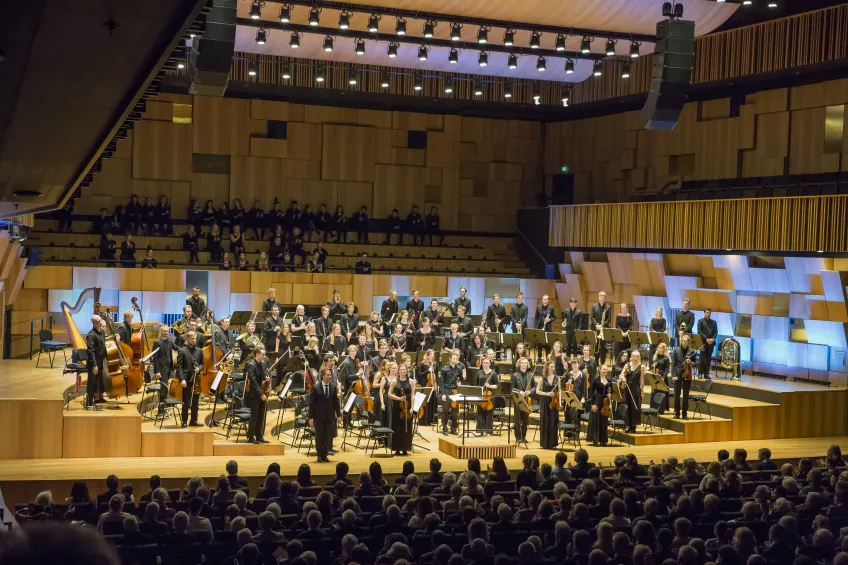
pixel 95 345
pixel 521 353
pixel 401 393
pixel 662 366
pixel 378 392
pixel 681 385
pixel 370 341
pixel 522 383
pixel 299 322
pixel 425 376
pixel 375 324
pixel 454 340
pixel 633 378
pixel 487 378
pixel 599 390
pixel 350 322
pixel 588 364
pixel 337 344
pixel 580 387
pixel 383 352
pixel 452 374
pixel 349 369
pixel 424 337
pixel 254 374
pixel 271 335
pixel 163 361
pixel 124 331
pixel 548 389
pixel 474 353
pixel 189 367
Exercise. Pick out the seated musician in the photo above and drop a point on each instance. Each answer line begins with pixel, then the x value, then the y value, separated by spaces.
pixel 475 352
pixel 398 339
pixel 192 327
pixel 312 353
pixel 425 338
pixel 248 340
pixel 222 337
pixel 454 341
pixel 376 324
pixel 362 348
pixel 383 353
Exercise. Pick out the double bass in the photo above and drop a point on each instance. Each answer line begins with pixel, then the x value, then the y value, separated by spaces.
pixel 119 357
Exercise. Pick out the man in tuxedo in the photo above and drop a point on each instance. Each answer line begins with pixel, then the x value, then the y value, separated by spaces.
pixel 461 301
pixel 198 305
pixel 681 385
pixel 254 374
pixel 415 306
pixel 163 361
pixel 389 307
pixel 518 314
pixel 323 324
pixel 684 321
pixel 495 315
pixel 95 345
pixel 571 318
pixel 125 330
pixel 601 316
pixel 708 330
pixel 189 367
pixel 545 315
pixel 324 405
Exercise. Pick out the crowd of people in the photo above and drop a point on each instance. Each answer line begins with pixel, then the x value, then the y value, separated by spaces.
pixel 734 512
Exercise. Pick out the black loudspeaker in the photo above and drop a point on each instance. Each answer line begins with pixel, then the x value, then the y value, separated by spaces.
pixel 562 190
pixel 673 57
pixel 212 53
pixel 416 139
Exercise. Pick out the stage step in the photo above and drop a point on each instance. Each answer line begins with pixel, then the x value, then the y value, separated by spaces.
pixel 177 443
pixel 232 449
pixel 701 428
pixel 723 406
pixel 481 448
pixel 655 436
pixel 113 431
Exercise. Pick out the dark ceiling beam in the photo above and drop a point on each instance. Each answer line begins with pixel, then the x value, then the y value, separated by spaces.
pixel 428 41
pixel 452 18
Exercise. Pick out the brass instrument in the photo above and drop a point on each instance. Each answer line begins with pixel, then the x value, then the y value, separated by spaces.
pixel 179 326
pixel 228 366
pixel 729 353
pixel 600 335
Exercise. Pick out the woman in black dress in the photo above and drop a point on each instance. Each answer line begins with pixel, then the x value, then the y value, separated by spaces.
pixel 475 353
pixel 662 366
pixel 164 226
pixel 547 390
pixel 378 393
pixel 624 322
pixel 402 388
pixel 425 373
pixel 214 244
pixel 598 391
pixel 633 379
pixel 190 244
pixel 658 324
pixel 559 358
pixel 488 379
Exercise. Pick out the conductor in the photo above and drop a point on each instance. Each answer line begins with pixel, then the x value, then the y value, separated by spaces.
pixel 323 406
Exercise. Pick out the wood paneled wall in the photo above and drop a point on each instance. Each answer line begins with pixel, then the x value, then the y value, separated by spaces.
pixel 776 132
pixel 804 223
pixel 331 155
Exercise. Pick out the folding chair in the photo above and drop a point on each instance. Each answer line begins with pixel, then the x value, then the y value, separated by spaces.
pixel 700 398
pixel 653 411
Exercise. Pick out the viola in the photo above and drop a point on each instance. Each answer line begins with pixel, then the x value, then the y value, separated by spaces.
pixel 607 409
pixel 405 414
pixel 556 400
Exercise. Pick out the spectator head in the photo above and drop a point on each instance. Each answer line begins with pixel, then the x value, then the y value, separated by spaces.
pixel 408 468
pixel 560 459
pixel 477 529
pixel 274 509
pixel 560 490
pixel 112 483
pixel 180 522
pixel 442 554
pixel 581 455
pixel 744 540
pixel 621 543
pixel 313 520
pixel 651 507
pixel 687 556
pixel 546 509
pixel 240 500
pixel 195 505
pixel 448 480
pixel 267 521
pixel 342 470
pixel 723 455
pixel 151 512
pixel 641 554
pixel 479 550
pixel 130 525
pixel 526 551
pixel 617 507
pixel 116 503
pixel 237 524
pixel 644 533
pixel 597 557
pixel 682 527
pixel 393 514
pixel 243 537
pixel 45 498
pixel 388 502
pixel 711 503
pixel 435 465
pixel 232 467
pixel 823 538
pixel 42 543
pixel 562 533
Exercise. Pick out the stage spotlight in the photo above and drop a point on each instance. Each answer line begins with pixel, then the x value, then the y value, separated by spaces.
pixel 351 77
pixel 429 28
pixel 374 23
pixel 625 70
pixel 400 26
pixel 422 53
pixel 384 79
pixel 597 69
pixel 261 36
pixel 448 85
pixel 610 50
pixel 314 16
pixel 537 94
pixel 360 47
pixel 181 64
pixel 483 34
pixel 286 73
pixel 541 64
pixel 285 13
pixel 294 40
pixel 344 20
pixel 478 88
pixel 535 40
pixel 560 42
pixel 256 10
pixel 564 98
pixel 772 4
pixel 746 2
pixel 569 67
pixel 512 61
pixel 418 83
pixel 328 43
pixel 453 57
pixel 483 59
pixel 320 74
pixel 508 90
pixel 634 49
pixel 668 10
pixel 584 45
pixel 456 32
pixel 393 50
pixel 509 37
pixel 252 69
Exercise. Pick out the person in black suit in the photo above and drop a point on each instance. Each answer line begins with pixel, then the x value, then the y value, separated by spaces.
pixel 601 316
pixel 389 307
pixel 461 301
pixel 545 315
pixel 708 330
pixel 350 322
pixel 189 367
pixel 269 302
pixel 254 374
pixel 336 305
pixel 684 321
pixel 571 319
pixel 125 330
pixel 324 404
pixel 681 385
pixel 496 315
pixel 518 314
pixel 95 346
pixel 198 305
pixel 163 361
pixel 415 307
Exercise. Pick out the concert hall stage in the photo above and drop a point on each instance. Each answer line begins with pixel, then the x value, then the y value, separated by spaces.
pixel 45 445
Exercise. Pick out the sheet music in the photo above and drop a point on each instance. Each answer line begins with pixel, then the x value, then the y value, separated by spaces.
pixel 418 401
pixel 349 403
pixel 217 380
pixel 286 388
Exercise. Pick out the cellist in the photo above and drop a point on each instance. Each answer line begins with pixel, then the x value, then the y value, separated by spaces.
pixel 489 379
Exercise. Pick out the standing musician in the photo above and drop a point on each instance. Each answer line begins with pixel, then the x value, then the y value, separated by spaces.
pixel 633 377
pixel 402 388
pixel 425 338
pixel 376 324
pixel 572 317
pixel 95 346
pixel 559 358
pixel 489 379
pixel 350 322
pixel 189 367
pixel 454 340
pixel 323 324
pixel 547 390
pixel 222 336
pixel 545 315
pixel 624 322
pixel 192 326
pixel 662 366
pixel 599 390
pixel 337 343
pixel 163 361
pixel 708 330
pixel 424 374
pixel 658 324
pixel 312 354
pixel 254 374
pixel 269 302
pixel 601 316
pixel 383 352
pixel 389 307
pixel 271 334
pixel 518 314
pixel 336 306
pixel 324 412
pixel 588 364
pixel 378 393
pixel 198 305
pixel 434 315
pixel 678 358
pixel 580 382
pixel 464 323
pixel 397 340
pixel 363 348
pixel 124 331
pixel 348 369
pixel 246 344
pixel 415 307
pixel 299 322
pixel 452 375
pixel 522 384
pixel 475 352
pixel 461 301
pixel 496 315
pixel 684 321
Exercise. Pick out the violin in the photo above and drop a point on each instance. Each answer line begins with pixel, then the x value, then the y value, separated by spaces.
pixel 556 400
pixel 405 414
pixel 686 375
pixel 607 409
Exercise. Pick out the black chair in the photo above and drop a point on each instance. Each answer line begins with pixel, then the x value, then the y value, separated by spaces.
pixel 619 419
pixel 79 368
pixel 50 347
pixel 699 397
pixel 653 411
pixel 238 415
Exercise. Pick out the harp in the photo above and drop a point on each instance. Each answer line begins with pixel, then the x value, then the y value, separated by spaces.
pixel 68 311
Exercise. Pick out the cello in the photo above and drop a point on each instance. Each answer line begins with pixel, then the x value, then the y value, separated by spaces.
pixel 119 356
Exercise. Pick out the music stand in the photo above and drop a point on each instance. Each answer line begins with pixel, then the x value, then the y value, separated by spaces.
pixel 421 398
pixel 657 383
pixel 586 337
pixel 143 361
pixel 349 402
pixel 282 397
pixel 638 339
pixel 616 393
pixel 240 318
pixel 261 317
pixel 658 338
pixel 467 394
pixel 552 337
pixel 471 374
pixel 216 384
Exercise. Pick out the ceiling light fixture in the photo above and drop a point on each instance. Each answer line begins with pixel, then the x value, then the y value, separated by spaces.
pixel 422 53
pixel 512 61
pixel 344 20
pixel 286 73
pixel 560 42
pixel 328 43
pixel 252 70
pixel 418 83
pixel 320 74
pixel 541 64
pixel 584 45
pixel 429 28
pixel 597 69
pixel 625 70
pixel 508 90
pixel 285 13
pixel 634 49
pixel 256 9
pixel 359 48
pixel 314 16
pixel 374 23
pixel 535 40
pixel 400 26
pixel 261 36
pixel 610 49
pixel 351 77
pixel 569 67
pixel 294 40
pixel 453 56
pixel 483 34
pixel 509 37
pixel 456 32
pixel 448 85
pixel 393 50
pixel 478 88
pixel 483 59
pixel 385 81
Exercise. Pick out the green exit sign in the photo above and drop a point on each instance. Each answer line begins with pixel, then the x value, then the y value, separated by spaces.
pixel 564 169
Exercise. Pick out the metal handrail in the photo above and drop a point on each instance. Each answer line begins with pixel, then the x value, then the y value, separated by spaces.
pixel 49 318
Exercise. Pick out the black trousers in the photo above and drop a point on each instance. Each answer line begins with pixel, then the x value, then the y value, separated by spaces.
pixel 362 235
pixel 94 386
pixel 522 420
pixel 704 361
pixel 449 413
pixel 432 235
pixel 323 437
pixel 681 385
pixel 393 231
pixel 257 417
pixel 571 343
pixel 194 403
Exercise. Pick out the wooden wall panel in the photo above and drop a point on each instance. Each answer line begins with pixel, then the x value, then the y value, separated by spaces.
pixel 264 147
pixel 206 186
pixel 30 428
pixel 221 126
pixel 806 147
pixel 348 153
pixel 443 150
pixel 269 110
pixel 257 177
pixel 388 193
pixel 177 443
pixel 162 150
pixel 304 141
pixel 100 434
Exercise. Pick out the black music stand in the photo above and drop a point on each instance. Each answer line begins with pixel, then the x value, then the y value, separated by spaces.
pixel 586 337
pixel 552 337
pixel 658 338
pixel 495 338
pixel 240 318
pixel 282 396
pixel 427 391
pixel 467 395
pixel 143 362
pixel 657 383
pixel 534 337
pixel 639 339
pixel 261 317
pixel 349 402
